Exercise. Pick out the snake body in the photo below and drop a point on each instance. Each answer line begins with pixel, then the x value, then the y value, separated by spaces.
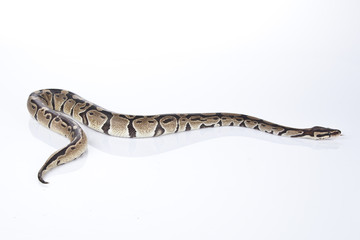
pixel 56 109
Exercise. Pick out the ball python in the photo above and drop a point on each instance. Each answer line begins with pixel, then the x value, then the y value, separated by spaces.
pixel 60 110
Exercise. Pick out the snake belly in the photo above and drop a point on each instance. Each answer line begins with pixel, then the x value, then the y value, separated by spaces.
pixel 61 110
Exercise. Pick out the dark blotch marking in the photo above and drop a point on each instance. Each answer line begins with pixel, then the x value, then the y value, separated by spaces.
pixel 47 103
pixel 188 127
pixel 37 110
pixel 323 135
pixel 204 126
pixel 106 125
pixel 131 129
pixel 72 109
pixel 197 119
pixel 283 131
pixel 177 125
pixel 62 105
pixel 159 130
pixel 82 108
pixel 53 101
pixel 84 118
pixel 167 120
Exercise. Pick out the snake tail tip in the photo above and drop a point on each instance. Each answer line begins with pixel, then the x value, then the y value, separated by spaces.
pixel 42 180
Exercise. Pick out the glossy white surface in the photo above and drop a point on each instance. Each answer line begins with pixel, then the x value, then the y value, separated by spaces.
pixel 291 62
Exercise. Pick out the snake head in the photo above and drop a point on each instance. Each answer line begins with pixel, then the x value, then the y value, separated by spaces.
pixel 323 133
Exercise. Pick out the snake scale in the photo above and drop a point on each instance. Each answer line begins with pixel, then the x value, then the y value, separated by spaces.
pixel 56 109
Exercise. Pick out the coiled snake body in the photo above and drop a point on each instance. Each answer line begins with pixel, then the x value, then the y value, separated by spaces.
pixel 52 108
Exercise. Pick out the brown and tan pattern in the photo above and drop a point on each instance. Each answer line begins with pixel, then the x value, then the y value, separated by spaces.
pixel 54 109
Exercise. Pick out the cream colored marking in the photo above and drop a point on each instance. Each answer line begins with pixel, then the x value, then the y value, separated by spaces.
pixel 212 120
pixel 58 126
pixel 170 125
pixel 145 126
pixel 80 108
pixel 42 117
pixel 76 97
pixel 60 98
pixel 68 106
pixel 277 130
pixel 119 126
pixel 47 95
pixel 96 119
pixel 226 121
pixel 265 127
pixel 195 124
pixel 207 114
pixel 253 118
pixel 182 123
pixel 31 107
pixel 130 116
pixel 250 123
pixel 291 133
pixel 237 121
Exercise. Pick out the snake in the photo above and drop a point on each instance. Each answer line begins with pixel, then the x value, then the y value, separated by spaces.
pixel 61 111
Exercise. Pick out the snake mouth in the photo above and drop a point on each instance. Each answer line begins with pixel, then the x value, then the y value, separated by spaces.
pixel 336 133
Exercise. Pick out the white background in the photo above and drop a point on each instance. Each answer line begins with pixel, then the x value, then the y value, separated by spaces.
pixel 291 62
